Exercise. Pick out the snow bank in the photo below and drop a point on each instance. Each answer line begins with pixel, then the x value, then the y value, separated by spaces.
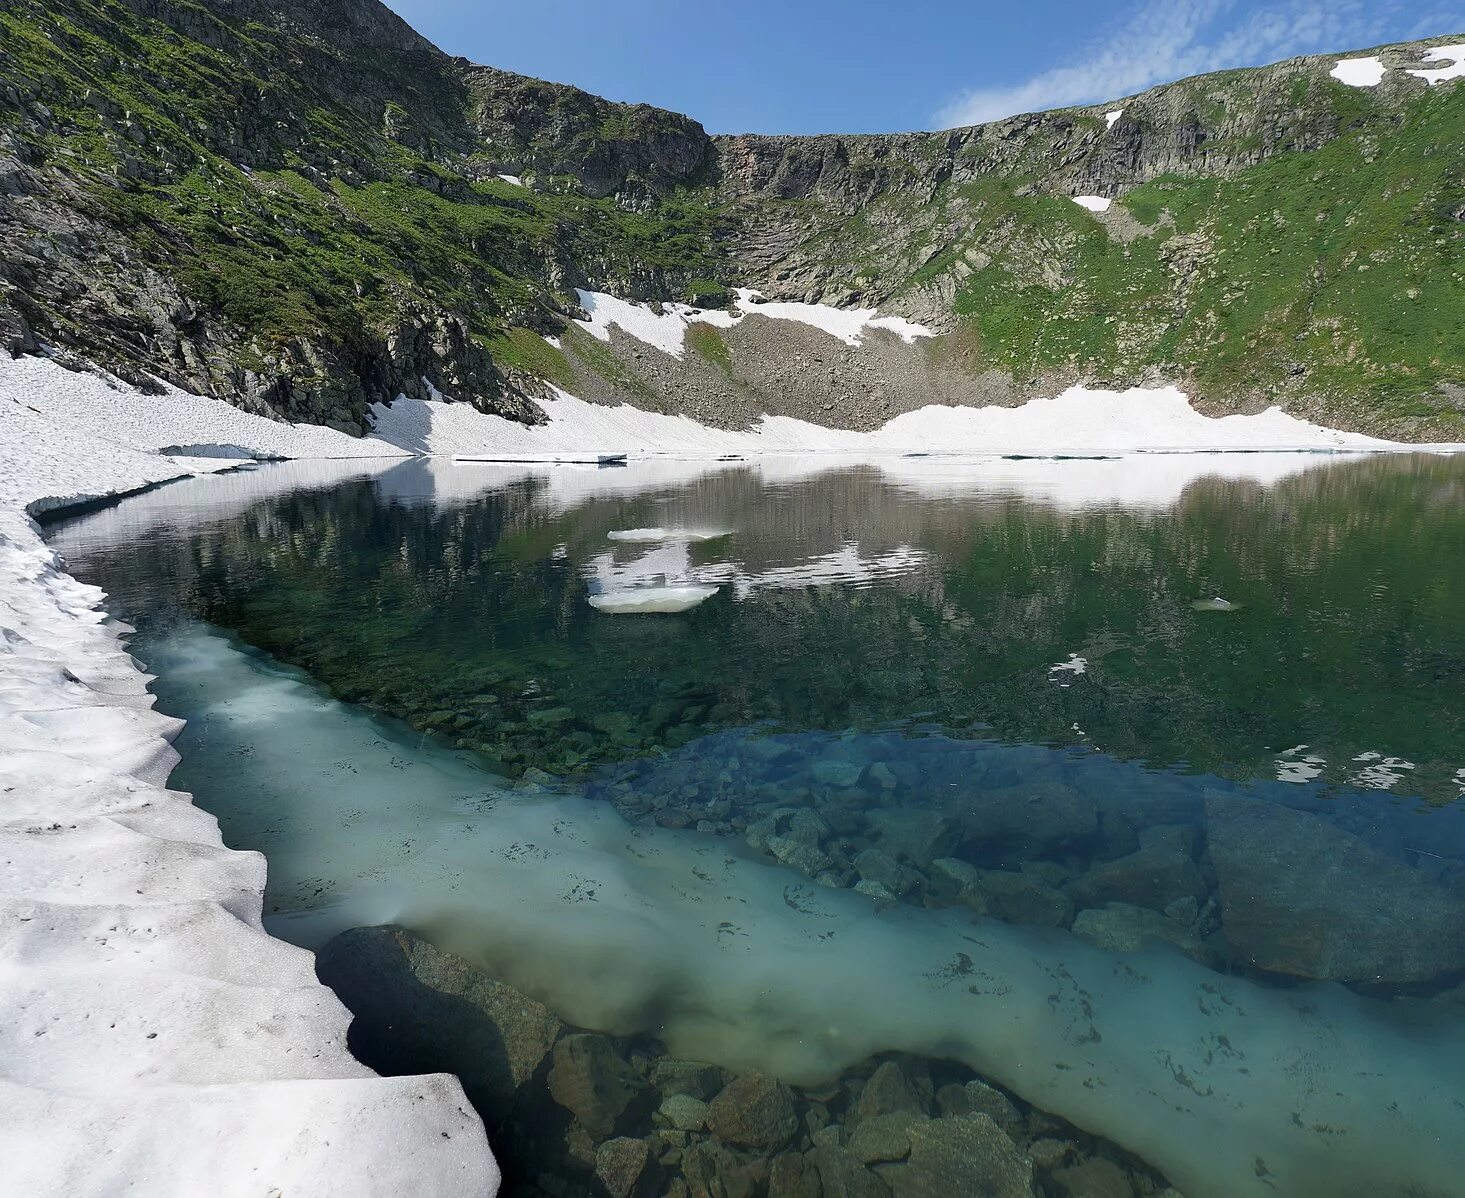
pixel 1359 72
pixel 152 1035
pixel 1093 203
pixel 1081 420
pixel 1111 117
pixel 666 330
pixel 1454 55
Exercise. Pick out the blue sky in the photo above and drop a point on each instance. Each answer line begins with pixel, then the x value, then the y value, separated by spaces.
pixel 810 66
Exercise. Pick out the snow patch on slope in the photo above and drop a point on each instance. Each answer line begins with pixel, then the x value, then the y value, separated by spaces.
pixel 1080 420
pixel 1453 55
pixel 1093 203
pixel 151 1033
pixel 1359 72
pixel 666 330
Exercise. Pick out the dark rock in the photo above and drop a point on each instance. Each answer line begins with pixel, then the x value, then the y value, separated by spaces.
pixel 697 1078
pixel 619 1164
pixel 895 1086
pixel 1301 896
pixel 1093 1178
pixel 883 1137
pixel 964 1154
pixel 978 1098
pixel 421 1010
pixel 1023 898
pixel 916 836
pixel 715 1171
pixel 1037 820
pixel 591 1081
pixel 1152 877
pixel 1120 928
pixel 792 1175
pixel 754 1111
pixel 840 1173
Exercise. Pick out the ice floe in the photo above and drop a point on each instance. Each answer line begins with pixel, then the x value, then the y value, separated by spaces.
pixel 152 1035
pixel 1359 72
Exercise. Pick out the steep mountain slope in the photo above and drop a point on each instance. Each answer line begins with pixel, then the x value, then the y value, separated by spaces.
pixel 302 209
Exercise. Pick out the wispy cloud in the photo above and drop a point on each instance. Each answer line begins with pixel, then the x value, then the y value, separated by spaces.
pixel 1170 39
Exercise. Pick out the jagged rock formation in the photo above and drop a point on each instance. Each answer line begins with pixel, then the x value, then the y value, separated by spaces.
pixel 301 208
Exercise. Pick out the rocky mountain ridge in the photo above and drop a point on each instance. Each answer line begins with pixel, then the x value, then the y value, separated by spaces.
pixel 306 209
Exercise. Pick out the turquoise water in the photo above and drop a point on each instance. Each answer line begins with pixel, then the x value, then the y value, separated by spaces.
pixel 1114 716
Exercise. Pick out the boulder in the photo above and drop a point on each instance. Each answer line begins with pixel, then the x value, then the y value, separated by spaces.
pixel 1152 877
pixel 978 1098
pixel 619 1164
pixel 1093 1178
pixel 1024 898
pixel 1121 928
pixel 421 1010
pixel 1300 896
pixel 894 1086
pixel 1036 820
pixel 883 1138
pixel 964 1154
pixel 591 1081
pixel 682 1112
pixel 793 1175
pixel 754 1111
pixel 915 835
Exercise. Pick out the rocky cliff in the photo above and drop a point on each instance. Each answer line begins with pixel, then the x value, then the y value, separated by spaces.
pixel 304 209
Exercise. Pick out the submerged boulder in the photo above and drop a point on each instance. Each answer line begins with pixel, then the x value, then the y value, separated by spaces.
pixel 591 1081
pixel 1024 821
pixel 1301 896
pixel 754 1111
pixel 421 1010
pixel 963 1154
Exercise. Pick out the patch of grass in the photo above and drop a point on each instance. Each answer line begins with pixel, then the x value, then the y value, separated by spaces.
pixel 708 343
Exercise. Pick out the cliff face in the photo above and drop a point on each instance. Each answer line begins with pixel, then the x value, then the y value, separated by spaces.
pixel 300 208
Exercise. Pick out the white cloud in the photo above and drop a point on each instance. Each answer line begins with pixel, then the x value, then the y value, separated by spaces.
pixel 1170 39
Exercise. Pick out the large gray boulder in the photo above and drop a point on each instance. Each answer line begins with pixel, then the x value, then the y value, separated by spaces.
pixel 1301 896
pixel 592 1081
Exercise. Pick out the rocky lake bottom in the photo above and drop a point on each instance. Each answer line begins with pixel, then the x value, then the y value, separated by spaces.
pixel 1070 828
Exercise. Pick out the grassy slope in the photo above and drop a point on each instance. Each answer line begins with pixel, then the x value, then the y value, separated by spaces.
pixel 290 249
pixel 1331 278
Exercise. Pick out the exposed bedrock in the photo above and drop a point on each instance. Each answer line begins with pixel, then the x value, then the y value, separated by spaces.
pixel 1230 1088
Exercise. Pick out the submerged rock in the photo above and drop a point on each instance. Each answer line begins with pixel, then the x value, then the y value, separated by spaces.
pixel 1122 928
pixel 1152 877
pixel 421 1010
pixel 1303 897
pixel 754 1111
pixel 591 1081
pixel 965 1154
pixel 619 1164
pixel 1035 820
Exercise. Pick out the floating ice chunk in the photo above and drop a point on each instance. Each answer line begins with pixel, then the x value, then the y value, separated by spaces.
pixel 1215 604
pixel 652 599
pixel 514 179
pixel 1111 117
pixel 1453 55
pixel 1359 72
pixel 651 535
pixel 1093 203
